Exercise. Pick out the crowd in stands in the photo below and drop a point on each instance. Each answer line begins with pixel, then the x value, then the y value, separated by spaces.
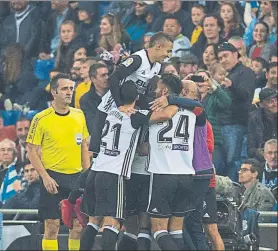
pixel 230 45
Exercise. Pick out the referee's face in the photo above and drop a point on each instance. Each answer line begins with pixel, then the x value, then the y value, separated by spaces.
pixel 63 94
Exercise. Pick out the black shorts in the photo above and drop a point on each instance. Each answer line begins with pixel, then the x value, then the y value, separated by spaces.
pixel 210 207
pixel 169 195
pixel 137 194
pixel 105 195
pixel 49 207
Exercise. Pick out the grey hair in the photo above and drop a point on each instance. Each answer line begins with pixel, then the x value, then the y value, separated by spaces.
pixel 270 142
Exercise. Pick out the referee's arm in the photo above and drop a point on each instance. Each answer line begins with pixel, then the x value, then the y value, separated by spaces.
pixel 85 157
pixel 34 156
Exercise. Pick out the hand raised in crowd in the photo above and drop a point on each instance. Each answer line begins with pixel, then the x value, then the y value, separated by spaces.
pixel 227 83
pixel 211 83
pixel 50 185
pixel 159 103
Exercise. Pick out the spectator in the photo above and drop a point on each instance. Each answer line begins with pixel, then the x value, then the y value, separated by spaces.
pixel 188 64
pixel 19 79
pixel 197 15
pixel 273 58
pixel 172 27
pixel 9 182
pixel 6 132
pixel 259 66
pixel 212 27
pixel 231 19
pixel 85 85
pixel 241 84
pixel 151 12
pixel 169 68
pixel 28 198
pixel 135 24
pixel 22 127
pixel 75 71
pixel 271 77
pixel 261 48
pixel 87 25
pixel 4 11
pixel 210 55
pixel 262 124
pixel 70 44
pixel 51 28
pixel 256 196
pixel 172 7
pixel 238 42
pixel 22 26
pixel 112 33
pixel 268 176
pixel 89 102
pixel 147 38
pixel 214 100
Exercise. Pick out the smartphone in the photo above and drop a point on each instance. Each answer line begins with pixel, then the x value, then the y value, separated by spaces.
pixel 198 79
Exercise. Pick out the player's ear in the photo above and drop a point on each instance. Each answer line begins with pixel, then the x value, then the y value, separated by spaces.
pixel 165 91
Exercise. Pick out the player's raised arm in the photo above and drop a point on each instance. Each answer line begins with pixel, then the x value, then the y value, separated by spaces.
pixel 130 65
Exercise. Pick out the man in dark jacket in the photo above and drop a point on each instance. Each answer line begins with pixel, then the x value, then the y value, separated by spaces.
pixel 28 198
pixel 22 26
pixel 241 84
pixel 98 74
pixel 262 124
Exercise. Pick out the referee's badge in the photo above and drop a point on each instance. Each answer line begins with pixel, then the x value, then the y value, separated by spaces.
pixel 78 138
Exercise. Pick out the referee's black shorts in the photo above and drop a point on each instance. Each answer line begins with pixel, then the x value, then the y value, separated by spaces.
pixel 49 207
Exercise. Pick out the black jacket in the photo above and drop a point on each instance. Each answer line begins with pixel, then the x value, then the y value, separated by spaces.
pixel 29 32
pixel 28 199
pixel 48 28
pixel 261 128
pixel 94 118
pixel 242 92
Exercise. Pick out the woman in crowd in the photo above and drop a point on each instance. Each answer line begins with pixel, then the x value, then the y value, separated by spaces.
pixel 231 19
pixel 262 48
pixel 18 77
pixel 70 43
pixel 210 55
pixel 214 100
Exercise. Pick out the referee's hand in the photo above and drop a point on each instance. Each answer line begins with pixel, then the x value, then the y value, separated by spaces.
pixel 50 185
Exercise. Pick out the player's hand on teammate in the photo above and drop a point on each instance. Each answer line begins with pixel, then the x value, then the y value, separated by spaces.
pixel 127 110
pixel 159 103
pixel 50 185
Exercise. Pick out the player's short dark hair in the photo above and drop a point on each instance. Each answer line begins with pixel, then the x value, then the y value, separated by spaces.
pixel 199 6
pixel 172 81
pixel 128 92
pixel 54 81
pixel 160 36
pixel 94 68
pixel 255 164
pixel 271 65
pixel 262 61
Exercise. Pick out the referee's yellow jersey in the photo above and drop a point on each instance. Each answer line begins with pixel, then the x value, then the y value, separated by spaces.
pixel 60 137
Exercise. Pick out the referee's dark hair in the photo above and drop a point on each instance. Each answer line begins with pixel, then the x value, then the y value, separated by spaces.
pixel 128 92
pixel 94 68
pixel 54 81
pixel 172 81
pixel 159 37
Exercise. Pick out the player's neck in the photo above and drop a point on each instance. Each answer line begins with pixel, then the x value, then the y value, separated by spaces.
pixel 151 55
pixel 61 109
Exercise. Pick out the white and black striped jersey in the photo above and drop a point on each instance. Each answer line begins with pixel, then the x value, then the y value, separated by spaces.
pixel 171 144
pixel 142 151
pixel 137 68
pixel 119 140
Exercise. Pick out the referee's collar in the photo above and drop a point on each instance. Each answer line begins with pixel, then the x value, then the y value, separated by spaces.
pixel 62 114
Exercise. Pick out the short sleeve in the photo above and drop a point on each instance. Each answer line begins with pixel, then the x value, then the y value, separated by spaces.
pixel 35 134
pixel 85 133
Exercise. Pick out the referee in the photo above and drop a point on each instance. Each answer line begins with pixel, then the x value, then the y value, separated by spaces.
pixel 57 149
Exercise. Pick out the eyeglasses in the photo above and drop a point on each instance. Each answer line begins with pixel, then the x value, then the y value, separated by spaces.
pixel 244 170
pixel 140 4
